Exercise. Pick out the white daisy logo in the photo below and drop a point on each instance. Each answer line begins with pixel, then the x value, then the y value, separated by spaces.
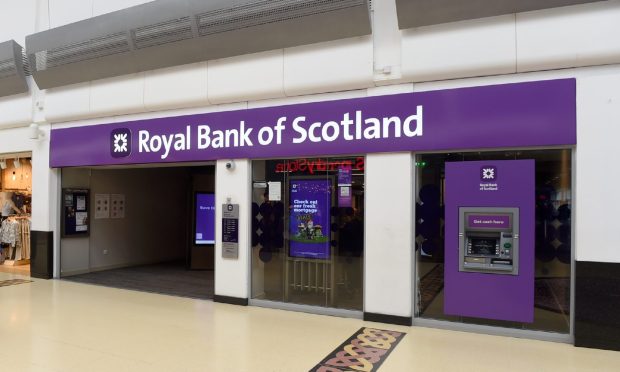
pixel 488 173
pixel 120 142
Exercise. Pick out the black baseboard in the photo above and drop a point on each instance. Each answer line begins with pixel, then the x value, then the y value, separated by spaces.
pixel 230 300
pixel 597 300
pixel 390 319
pixel 41 254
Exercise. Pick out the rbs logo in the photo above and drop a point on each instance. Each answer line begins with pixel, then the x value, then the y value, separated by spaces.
pixel 488 173
pixel 120 143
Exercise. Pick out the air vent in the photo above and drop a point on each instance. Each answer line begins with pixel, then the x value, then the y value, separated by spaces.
pixel 264 12
pixel 163 33
pixel 7 68
pixel 417 13
pixel 167 33
pixel 77 52
pixel 26 63
pixel 12 74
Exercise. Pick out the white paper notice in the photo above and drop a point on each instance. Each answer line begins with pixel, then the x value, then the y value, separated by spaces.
pixel 102 206
pixel 81 219
pixel 275 191
pixel 81 203
pixel 117 205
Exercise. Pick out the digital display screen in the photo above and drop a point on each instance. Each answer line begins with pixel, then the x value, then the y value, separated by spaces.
pixel 205 219
pixel 483 246
pixel 309 223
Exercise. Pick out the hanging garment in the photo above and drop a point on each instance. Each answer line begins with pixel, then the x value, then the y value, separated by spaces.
pixel 9 232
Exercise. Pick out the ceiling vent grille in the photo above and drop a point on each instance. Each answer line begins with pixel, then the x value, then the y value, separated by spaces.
pixel 167 33
pixel 7 68
pixel 163 32
pixel 82 51
pixel 12 73
pixel 418 13
pixel 264 12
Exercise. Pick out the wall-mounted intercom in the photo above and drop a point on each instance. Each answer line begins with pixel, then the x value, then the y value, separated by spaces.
pixel 489 240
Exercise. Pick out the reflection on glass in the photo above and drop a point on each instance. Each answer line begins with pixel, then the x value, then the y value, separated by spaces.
pixel 308 231
pixel 552 233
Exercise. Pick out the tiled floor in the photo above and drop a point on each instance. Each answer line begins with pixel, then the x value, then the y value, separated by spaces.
pixel 63 326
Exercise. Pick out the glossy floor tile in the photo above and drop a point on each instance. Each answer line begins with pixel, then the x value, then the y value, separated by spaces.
pixel 51 325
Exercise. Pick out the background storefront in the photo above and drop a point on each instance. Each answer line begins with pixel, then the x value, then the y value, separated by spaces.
pixel 16 205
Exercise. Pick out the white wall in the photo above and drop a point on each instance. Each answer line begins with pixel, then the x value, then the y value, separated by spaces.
pixel 581 35
pixel 232 275
pixel 598 176
pixel 16 110
pixel 17 20
pixel 388 251
pixel 386 41
pixel 462 49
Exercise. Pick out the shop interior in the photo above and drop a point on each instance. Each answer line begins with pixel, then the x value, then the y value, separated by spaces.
pixel 16 206
pixel 553 252
pixel 142 228
pixel 308 231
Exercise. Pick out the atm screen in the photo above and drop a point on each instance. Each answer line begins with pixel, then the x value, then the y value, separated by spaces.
pixel 483 246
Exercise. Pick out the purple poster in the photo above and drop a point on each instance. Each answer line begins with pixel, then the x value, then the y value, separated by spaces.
pixel 344 186
pixel 309 223
pixel 205 219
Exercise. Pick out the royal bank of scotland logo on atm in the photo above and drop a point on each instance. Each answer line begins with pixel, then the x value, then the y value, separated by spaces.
pixel 120 143
pixel 488 178
pixel 488 174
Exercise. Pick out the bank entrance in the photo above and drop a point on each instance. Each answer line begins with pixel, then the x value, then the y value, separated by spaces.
pixel 140 228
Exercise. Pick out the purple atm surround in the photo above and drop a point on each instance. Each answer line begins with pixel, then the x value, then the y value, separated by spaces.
pixel 490 295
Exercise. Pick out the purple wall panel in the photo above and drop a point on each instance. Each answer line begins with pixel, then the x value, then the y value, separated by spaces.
pixel 488 295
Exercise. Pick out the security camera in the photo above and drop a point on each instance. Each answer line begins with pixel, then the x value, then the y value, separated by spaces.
pixel 230 165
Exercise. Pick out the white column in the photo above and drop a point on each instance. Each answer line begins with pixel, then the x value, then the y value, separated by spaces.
pixel 232 275
pixel 597 176
pixel 388 256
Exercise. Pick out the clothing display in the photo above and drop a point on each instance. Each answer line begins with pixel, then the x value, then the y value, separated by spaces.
pixel 15 232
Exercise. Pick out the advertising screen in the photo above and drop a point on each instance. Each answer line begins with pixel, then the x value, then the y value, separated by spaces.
pixel 309 223
pixel 205 219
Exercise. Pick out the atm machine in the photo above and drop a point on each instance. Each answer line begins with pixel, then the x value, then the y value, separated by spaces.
pixel 489 240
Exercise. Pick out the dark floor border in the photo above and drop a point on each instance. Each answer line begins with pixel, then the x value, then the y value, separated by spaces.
pixel 230 300
pixel 389 319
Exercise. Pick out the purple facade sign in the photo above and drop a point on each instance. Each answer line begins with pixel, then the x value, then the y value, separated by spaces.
pixel 309 222
pixel 541 113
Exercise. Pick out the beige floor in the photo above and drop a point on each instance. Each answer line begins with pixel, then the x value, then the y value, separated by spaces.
pixel 62 326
